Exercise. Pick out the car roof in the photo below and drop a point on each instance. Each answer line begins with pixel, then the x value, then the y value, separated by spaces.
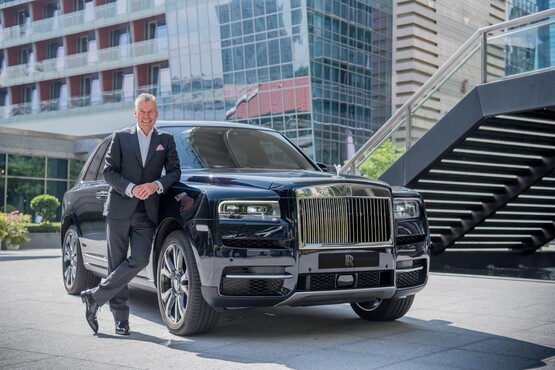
pixel 167 123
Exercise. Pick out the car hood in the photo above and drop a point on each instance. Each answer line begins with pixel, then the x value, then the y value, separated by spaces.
pixel 271 179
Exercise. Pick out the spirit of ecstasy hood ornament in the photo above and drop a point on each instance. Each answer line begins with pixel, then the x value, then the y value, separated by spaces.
pixel 338 170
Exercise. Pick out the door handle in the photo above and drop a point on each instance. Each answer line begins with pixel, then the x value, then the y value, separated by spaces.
pixel 101 195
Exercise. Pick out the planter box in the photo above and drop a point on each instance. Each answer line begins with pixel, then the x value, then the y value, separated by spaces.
pixel 42 240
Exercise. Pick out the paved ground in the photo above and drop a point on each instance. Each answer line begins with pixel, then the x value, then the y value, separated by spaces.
pixel 463 322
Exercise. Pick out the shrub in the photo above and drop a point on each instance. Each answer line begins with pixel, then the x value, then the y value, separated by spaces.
pixel 43 228
pixel 3 225
pixel 382 158
pixel 15 227
pixel 45 205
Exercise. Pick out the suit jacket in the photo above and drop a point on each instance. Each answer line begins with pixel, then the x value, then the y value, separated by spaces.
pixel 123 165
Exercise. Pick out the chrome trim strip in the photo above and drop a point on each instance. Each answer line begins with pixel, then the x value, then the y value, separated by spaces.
pixel 320 246
pixel 410 270
pixel 95 257
pixel 251 276
pixel 363 294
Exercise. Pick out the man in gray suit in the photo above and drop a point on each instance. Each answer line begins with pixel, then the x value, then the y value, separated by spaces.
pixel 141 163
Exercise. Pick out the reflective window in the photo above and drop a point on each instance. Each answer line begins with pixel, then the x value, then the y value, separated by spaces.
pixel 266 61
pixel 21 165
pixel 24 177
pixel 57 168
pixel 221 147
pixel 57 189
pixel 96 163
pixel 2 180
pixel 75 167
pixel 2 166
pixel 2 192
pixel 21 192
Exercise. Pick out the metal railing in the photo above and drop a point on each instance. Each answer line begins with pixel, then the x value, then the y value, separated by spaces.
pixel 86 19
pixel 141 52
pixel 492 53
pixel 107 100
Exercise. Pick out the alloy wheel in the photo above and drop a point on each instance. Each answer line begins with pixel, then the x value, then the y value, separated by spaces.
pixel 174 283
pixel 70 259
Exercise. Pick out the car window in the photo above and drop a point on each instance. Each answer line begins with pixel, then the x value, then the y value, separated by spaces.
pixel 224 147
pixel 96 164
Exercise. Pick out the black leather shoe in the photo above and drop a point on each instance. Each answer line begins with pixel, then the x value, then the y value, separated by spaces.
pixel 90 310
pixel 122 327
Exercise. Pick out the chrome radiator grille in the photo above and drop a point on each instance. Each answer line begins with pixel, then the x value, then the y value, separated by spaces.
pixel 335 221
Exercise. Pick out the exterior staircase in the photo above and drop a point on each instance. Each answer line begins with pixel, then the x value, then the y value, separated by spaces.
pixel 486 169
pixel 485 166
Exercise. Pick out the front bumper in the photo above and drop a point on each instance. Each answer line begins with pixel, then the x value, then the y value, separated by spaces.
pixel 289 281
pixel 254 275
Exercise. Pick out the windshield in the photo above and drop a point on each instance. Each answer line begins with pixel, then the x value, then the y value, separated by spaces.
pixel 225 147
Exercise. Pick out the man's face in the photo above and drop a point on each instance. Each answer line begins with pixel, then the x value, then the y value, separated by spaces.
pixel 146 115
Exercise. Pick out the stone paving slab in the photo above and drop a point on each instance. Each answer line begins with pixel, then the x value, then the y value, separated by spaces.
pixel 456 322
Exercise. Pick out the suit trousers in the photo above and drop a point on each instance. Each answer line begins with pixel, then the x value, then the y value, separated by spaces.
pixel 136 234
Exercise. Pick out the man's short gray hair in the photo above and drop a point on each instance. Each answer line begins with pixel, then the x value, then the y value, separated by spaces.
pixel 144 97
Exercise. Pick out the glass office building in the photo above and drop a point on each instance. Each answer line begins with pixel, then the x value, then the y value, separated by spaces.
pixel 30 176
pixel 537 49
pixel 317 70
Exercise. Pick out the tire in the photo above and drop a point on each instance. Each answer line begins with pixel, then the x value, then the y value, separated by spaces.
pixel 183 309
pixel 76 277
pixel 383 309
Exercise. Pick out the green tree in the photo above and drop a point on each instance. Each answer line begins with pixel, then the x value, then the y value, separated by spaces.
pixel 381 160
pixel 45 205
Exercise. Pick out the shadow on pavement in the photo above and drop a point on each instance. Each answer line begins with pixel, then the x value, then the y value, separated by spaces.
pixel 21 257
pixel 282 335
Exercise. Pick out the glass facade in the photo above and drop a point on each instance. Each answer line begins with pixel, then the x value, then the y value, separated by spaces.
pixel 24 177
pixel 318 71
pixel 350 69
pixel 534 50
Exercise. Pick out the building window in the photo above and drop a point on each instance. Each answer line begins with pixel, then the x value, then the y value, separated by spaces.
pixel 52 50
pixel 79 4
pixel 75 167
pixel 21 16
pixel 24 177
pixel 22 165
pixel 3 97
pixel 2 165
pixel 57 189
pixel 153 79
pixel 150 31
pixel 85 91
pixel 83 44
pixel 25 55
pixel 20 193
pixel 57 168
pixel 119 37
pixel 51 10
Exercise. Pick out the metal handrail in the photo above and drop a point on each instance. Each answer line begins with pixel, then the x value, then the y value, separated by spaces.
pixel 447 69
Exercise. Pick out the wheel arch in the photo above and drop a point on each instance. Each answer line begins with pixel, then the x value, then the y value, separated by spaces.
pixel 67 221
pixel 164 229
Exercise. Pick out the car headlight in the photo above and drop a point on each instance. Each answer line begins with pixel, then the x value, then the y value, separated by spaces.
pixel 406 208
pixel 252 210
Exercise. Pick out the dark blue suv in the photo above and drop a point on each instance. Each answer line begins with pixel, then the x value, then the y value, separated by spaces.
pixel 255 222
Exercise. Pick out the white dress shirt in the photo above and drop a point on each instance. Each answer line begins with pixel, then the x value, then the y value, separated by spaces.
pixel 144 144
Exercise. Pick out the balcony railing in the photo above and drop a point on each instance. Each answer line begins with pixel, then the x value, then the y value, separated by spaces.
pixel 89 62
pixel 116 99
pixel 82 20
pixel 492 53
